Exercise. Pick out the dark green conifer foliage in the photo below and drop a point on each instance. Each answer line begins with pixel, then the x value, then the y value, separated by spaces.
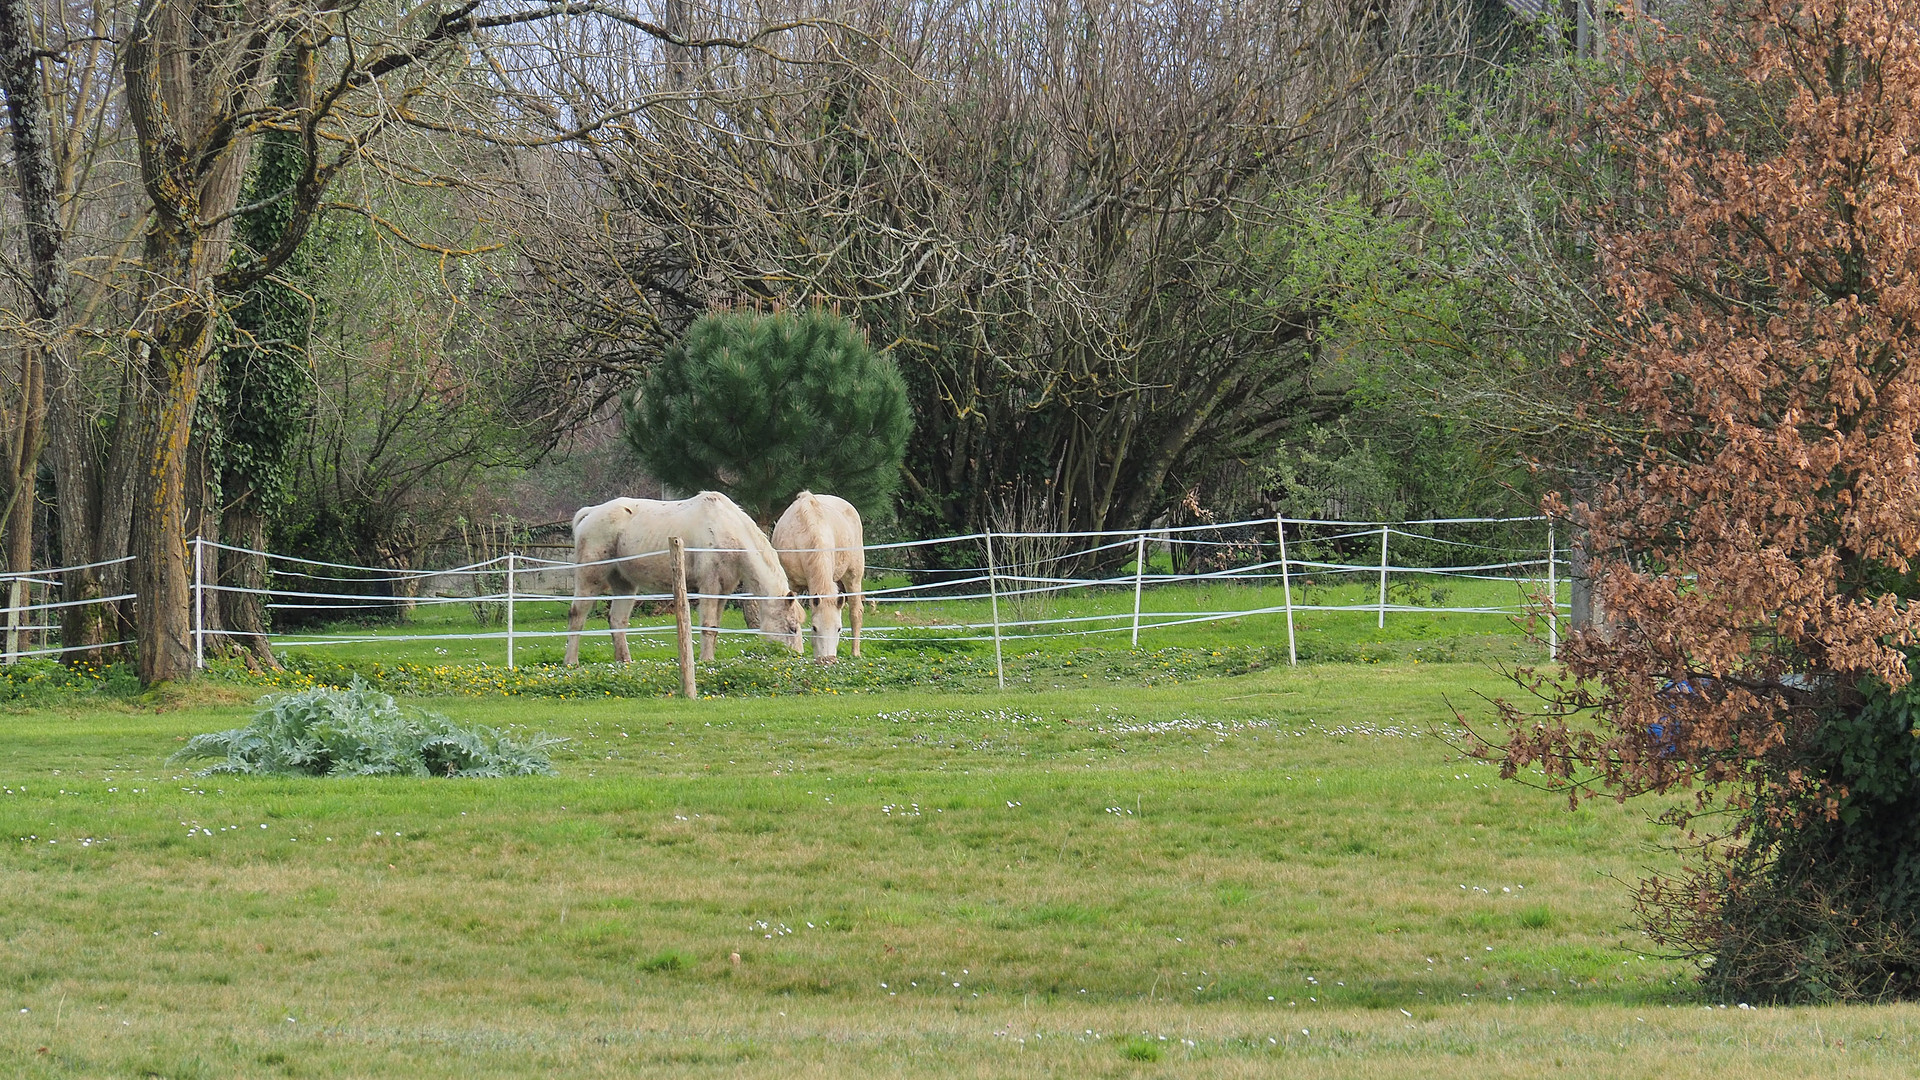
pixel 763 406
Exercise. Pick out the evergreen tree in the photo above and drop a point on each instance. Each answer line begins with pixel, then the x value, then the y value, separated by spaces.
pixel 763 406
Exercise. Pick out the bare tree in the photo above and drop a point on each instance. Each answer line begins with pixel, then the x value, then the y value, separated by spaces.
pixel 46 281
pixel 1060 217
pixel 196 92
pixel 61 294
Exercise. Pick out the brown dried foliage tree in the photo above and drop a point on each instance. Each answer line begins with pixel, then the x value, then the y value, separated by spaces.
pixel 1755 544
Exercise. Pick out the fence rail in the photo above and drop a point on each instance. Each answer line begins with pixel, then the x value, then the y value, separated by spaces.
pixel 1020 570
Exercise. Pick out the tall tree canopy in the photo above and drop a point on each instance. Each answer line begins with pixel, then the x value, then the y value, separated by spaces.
pixel 1062 221
pixel 422 99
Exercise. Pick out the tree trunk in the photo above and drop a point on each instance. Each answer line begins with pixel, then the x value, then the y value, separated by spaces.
pixel 23 461
pixel 244 613
pixel 181 99
pixel 39 197
pixel 204 517
pixel 163 618
pixel 112 512
pixel 70 453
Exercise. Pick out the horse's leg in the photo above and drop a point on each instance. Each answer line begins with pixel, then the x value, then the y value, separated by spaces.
pixel 576 622
pixel 587 584
pixel 710 608
pixel 859 599
pixel 619 615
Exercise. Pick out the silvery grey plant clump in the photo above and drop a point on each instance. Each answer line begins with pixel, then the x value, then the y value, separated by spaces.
pixel 359 731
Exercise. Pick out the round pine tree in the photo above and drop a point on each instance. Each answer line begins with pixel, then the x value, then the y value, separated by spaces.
pixel 762 406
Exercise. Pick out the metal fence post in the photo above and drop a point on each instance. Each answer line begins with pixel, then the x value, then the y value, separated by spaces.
pixel 993 592
pixel 199 603
pixel 13 621
pixel 1286 589
pixel 1383 576
pixel 1139 568
pixel 509 610
pixel 1553 598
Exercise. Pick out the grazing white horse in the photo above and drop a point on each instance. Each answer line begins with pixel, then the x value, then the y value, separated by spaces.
pixel 725 550
pixel 820 543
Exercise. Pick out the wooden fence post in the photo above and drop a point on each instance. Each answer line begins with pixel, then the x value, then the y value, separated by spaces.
pixel 1286 589
pixel 682 616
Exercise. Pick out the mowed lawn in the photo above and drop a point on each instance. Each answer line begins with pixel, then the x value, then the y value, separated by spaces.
pixel 1287 873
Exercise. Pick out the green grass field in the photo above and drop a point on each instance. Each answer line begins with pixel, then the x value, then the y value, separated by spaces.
pixel 1289 872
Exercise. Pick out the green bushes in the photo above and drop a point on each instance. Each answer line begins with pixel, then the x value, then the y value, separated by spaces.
pixel 37 681
pixel 359 731
pixel 1823 903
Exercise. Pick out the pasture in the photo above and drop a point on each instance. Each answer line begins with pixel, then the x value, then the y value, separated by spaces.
pixel 452 632
pixel 1289 872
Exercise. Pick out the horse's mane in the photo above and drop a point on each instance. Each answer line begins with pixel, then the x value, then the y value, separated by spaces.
pixel 768 560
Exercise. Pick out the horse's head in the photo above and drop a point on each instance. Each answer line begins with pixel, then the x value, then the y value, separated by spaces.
pixel 783 619
pixel 826 625
pixel 778 619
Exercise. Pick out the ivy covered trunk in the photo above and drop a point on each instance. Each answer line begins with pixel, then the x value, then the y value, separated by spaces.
pixel 244 611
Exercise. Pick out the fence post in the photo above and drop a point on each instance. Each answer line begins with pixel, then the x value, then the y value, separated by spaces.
pixel 1139 567
pixel 509 610
pixel 1553 598
pixel 1383 576
pixel 199 603
pixel 13 621
pixel 993 591
pixel 682 617
pixel 1286 589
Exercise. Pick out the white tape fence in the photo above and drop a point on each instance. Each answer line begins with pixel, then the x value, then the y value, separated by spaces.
pixel 33 613
pixel 1019 576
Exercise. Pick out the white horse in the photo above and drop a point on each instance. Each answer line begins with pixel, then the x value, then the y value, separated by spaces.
pixel 821 545
pixel 725 549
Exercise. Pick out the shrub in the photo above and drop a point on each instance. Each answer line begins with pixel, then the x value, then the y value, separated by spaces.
pixel 36 680
pixel 1753 528
pixel 359 731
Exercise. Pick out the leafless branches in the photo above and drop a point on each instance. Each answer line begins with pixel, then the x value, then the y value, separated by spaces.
pixel 1051 212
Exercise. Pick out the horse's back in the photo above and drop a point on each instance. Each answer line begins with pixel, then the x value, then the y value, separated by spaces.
pixel 817 532
pixel 597 529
